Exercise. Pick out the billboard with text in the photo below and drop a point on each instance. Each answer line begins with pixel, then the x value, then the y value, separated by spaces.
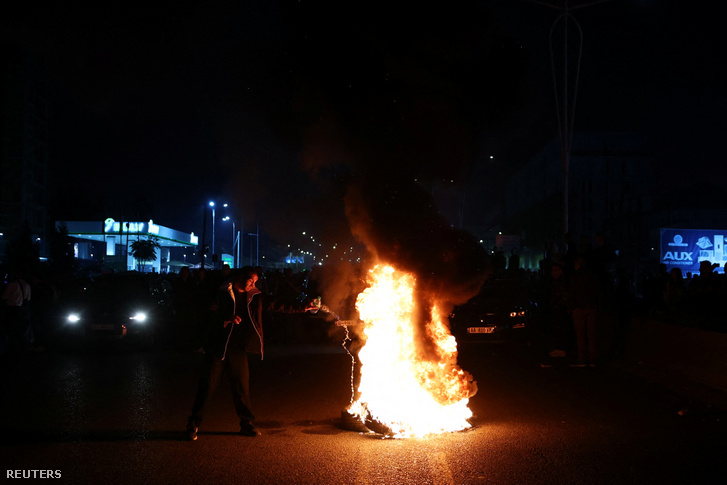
pixel 686 248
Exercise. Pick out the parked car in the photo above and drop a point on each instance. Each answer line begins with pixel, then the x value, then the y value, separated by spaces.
pixel 132 308
pixel 502 311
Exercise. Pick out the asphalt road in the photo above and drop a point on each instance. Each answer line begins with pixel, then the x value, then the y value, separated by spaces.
pixel 111 416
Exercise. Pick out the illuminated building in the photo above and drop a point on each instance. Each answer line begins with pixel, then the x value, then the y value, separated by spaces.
pixel 109 241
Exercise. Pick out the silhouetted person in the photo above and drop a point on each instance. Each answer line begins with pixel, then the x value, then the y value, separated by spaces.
pixel 584 248
pixel 704 291
pixel 287 289
pixel 571 252
pixel 237 330
pixel 262 281
pixel 557 316
pixel 675 292
pixel 225 272
pixel 585 299
pixel 600 260
pixel 654 287
pixel 16 299
pixel 499 261
pixel 513 263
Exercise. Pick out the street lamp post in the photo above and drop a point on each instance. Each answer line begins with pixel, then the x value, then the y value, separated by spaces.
pixel 237 236
pixel 257 246
pixel 566 100
pixel 238 241
pixel 212 204
pixel 234 265
pixel 234 241
pixel 204 236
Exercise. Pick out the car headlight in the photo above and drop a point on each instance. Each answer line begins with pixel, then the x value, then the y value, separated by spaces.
pixel 73 318
pixel 138 317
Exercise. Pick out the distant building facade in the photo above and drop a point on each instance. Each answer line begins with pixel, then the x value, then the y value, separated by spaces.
pixel 611 191
pixel 109 242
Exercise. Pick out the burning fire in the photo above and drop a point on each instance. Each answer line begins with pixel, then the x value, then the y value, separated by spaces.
pixel 410 382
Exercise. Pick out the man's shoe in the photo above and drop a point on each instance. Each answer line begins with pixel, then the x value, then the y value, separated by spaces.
pixel 249 430
pixel 192 432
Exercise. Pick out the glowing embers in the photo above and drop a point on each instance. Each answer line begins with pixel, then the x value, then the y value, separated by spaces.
pixel 410 382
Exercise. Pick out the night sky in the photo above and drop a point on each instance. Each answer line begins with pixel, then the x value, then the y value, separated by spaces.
pixel 277 107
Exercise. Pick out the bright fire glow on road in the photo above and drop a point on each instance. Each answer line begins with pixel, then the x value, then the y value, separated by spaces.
pixel 410 380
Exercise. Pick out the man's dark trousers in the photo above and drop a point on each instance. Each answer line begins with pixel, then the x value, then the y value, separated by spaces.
pixel 238 372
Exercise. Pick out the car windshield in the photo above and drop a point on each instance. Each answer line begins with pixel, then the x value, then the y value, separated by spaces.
pixel 500 295
pixel 119 289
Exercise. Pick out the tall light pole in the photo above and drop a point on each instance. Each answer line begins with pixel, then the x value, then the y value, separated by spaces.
pixel 565 101
pixel 234 242
pixel 257 246
pixel 203 242
pixel 212 204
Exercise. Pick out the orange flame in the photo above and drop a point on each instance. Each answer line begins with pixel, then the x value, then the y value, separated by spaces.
pixel 410 381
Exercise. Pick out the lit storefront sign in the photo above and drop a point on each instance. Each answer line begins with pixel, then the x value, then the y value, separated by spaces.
pixel 686 248
pixel 113 227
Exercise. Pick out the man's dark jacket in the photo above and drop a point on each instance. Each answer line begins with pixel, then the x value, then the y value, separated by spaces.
pixel 247 336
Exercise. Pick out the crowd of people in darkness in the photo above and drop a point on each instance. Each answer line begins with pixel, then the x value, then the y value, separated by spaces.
pixel 688 299
pixel 585 301
pixel 32 300
pixel 194 291
pixel 585 296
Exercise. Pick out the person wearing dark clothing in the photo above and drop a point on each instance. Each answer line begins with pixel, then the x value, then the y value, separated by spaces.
pixel 16 298
pixel 514 262
pixel 287 289
pixel 558 320
pixel 585 300
pixel 601 261
pixel 571 252
pixel 674 292
pixel 236 331
pixel 704 291
pixel 499 260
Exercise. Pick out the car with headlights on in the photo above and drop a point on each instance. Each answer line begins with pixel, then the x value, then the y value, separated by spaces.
pixel 129 308
pixel 503 311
